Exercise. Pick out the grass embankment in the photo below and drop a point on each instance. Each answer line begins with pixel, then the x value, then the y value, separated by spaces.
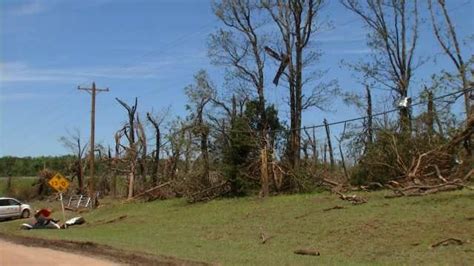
pixel 383 231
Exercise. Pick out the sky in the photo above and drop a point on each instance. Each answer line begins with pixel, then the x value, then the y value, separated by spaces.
pixel 148 49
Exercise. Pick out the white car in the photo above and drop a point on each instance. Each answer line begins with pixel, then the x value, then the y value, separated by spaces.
pixel 13 208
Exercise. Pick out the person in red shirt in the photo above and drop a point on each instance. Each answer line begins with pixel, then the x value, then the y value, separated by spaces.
pixel 44 220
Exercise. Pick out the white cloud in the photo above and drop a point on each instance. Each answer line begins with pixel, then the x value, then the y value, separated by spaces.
pixel 21 72
pixel 27 8
pixel 19 96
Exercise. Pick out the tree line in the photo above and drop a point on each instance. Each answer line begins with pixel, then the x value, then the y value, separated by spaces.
pixel 233 141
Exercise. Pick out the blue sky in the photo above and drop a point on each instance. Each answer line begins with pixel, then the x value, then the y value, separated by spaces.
pixel 148 49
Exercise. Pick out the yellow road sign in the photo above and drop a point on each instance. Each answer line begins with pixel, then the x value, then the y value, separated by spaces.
pixel 59 182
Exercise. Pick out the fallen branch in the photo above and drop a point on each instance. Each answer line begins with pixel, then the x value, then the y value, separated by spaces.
pixel 310 252
pixel 468 176
pixel 337 207
pixel 421 187
pixel 264 238
pixel 354 199
pixel 438 174
pixel 448 241
pixel 420 190
pixel 331 182
pixel 303 215
pixel 116 219
pixel 210 193
pixel 100 222
pixel 372 186
pixel 149 190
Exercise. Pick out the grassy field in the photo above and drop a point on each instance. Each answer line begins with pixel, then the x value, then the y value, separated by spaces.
pixel 383 231
pixel 20 186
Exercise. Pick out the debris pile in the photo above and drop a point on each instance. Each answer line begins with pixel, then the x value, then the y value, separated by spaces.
pixel 435 170
pixel 209 193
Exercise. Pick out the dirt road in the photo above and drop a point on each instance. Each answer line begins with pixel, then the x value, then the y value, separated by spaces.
pixel 18 255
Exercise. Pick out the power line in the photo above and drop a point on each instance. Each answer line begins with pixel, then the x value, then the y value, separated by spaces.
pixel 342 121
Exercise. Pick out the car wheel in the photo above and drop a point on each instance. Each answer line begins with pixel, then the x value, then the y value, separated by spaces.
pixel 25 214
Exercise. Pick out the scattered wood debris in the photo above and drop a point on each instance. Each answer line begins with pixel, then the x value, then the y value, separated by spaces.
pixel 100 222
pixel 152 193
pixel 338 188
pixel 337 207
pixel 209 193
pixel 447 242
pixel 264 238
pixel 354 199
pixel 116 219
pixel 302 215
pixel 420 190
pixel 309 252
pixel 372 186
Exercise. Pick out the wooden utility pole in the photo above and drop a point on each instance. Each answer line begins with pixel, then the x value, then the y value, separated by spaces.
pixel 328 135
pixel 93 92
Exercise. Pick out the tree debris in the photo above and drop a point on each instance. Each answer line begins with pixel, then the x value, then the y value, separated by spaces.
pixel 264 237
pixel 210 193
pixel 337 207
pixel 354 199
pixel 309 252
pixel 448 241
pixel 435 170
pixel 149 191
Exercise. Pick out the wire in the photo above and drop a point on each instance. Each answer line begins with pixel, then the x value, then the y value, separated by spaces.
pixel 338 122
pixel 376 114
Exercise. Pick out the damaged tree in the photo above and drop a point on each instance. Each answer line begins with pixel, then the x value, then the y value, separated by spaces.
pixel 297 23
pixel 393 39
pixel 240 49
pixel 199 95
pixel 73 143
pixel 131 151
pixel 156 123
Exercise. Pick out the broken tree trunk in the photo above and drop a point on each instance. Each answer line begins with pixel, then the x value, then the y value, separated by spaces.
pixel 264 172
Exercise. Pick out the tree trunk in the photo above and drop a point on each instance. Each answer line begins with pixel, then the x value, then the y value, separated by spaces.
pixel 205 152
pixel 430 114
pixel 264 173
pixel 131 179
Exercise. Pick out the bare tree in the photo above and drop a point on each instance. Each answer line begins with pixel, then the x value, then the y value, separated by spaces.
pixel 73 143
pixel 298 22
pixel 156 121
pixel 448 40
pixel 199 95
pixel 176 139
pixel 131 150
pixel 241 47
pixel 142 151
pixel 393 36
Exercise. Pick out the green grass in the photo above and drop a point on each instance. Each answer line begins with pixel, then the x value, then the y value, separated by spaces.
pixel 20 186
pixel 383 231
